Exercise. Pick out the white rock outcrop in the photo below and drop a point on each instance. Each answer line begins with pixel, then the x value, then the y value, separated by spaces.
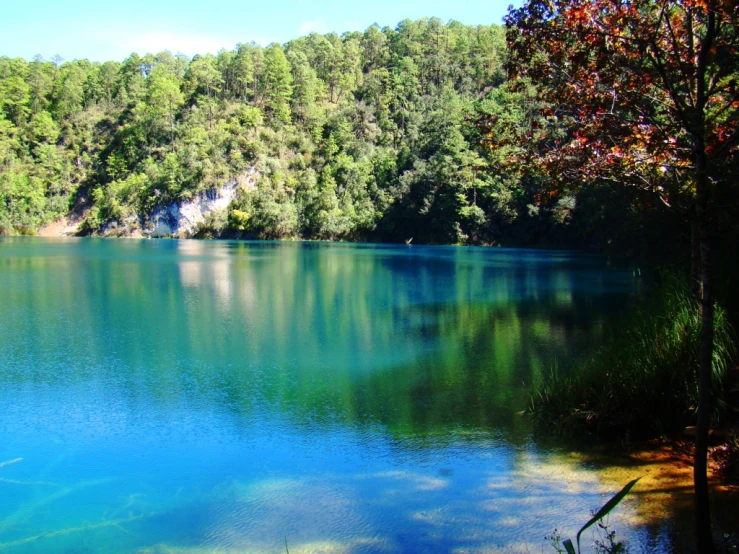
pixel 183 219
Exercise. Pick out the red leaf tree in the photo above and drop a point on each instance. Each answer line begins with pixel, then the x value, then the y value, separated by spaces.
pixel 649 90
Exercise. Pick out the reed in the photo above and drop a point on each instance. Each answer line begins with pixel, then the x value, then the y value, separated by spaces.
pixel 644 380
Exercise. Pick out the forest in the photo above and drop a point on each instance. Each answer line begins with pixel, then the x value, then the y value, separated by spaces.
pixel 387 135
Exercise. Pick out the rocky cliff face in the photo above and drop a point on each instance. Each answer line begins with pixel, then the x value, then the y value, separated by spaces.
pixel 183 219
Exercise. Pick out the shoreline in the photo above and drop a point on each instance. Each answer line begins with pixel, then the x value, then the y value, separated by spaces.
pixel 664 495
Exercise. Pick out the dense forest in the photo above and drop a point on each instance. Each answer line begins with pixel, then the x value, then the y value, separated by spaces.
pixel 390 135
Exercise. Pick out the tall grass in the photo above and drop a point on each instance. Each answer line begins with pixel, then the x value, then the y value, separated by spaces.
pixel 644 380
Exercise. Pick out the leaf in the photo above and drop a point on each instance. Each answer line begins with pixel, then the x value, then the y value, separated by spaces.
pixel 606 508
pixel 567 543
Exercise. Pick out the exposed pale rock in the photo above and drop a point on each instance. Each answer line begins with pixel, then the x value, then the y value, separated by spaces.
pixel 183 219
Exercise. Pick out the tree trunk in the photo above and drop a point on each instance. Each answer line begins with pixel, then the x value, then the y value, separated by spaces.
pixel 695 260
pixel 703 533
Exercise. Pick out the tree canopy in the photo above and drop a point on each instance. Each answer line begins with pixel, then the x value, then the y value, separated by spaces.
pixel 370 135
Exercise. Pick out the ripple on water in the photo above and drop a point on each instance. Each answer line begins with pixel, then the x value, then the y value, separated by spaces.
pixel 170 396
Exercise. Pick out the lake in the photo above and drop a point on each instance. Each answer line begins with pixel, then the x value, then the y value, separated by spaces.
pixel 190 396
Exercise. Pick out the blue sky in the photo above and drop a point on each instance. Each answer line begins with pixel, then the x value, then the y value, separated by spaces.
pixel 100 30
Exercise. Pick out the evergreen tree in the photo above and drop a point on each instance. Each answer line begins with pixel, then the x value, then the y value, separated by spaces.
pixel 277 82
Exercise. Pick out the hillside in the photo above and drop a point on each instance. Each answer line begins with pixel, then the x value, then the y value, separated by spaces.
pixel 364 136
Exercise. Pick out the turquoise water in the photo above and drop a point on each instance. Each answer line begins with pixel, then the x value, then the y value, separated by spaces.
pixel 188 396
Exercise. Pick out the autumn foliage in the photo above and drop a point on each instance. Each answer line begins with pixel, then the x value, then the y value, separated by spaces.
pixel 637 84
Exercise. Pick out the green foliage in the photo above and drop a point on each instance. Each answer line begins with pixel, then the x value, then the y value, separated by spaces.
pixel 23 198
pixel 644 381
pixel 361 136
pixel 165 98
pixel 278 83
pixel 266 212
pixel 382 135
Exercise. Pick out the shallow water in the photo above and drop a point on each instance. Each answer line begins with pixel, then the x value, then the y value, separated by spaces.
pixel 187 396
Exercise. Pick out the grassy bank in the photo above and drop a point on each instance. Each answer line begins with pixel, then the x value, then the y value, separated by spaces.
pixel 644 381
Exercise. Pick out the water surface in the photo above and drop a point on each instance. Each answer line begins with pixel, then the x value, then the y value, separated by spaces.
pixel 188 396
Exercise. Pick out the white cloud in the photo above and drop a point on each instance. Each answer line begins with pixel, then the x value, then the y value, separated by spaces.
pixel 315 26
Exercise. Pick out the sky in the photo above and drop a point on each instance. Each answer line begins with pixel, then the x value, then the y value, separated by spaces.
pixel 112 30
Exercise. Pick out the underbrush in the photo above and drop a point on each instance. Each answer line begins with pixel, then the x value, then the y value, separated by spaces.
pixel 644 381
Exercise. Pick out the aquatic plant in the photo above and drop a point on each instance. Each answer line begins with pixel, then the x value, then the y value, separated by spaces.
pixel 644 381
pixel 608 546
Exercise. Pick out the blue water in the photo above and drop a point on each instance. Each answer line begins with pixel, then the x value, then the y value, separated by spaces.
pixel 188 396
